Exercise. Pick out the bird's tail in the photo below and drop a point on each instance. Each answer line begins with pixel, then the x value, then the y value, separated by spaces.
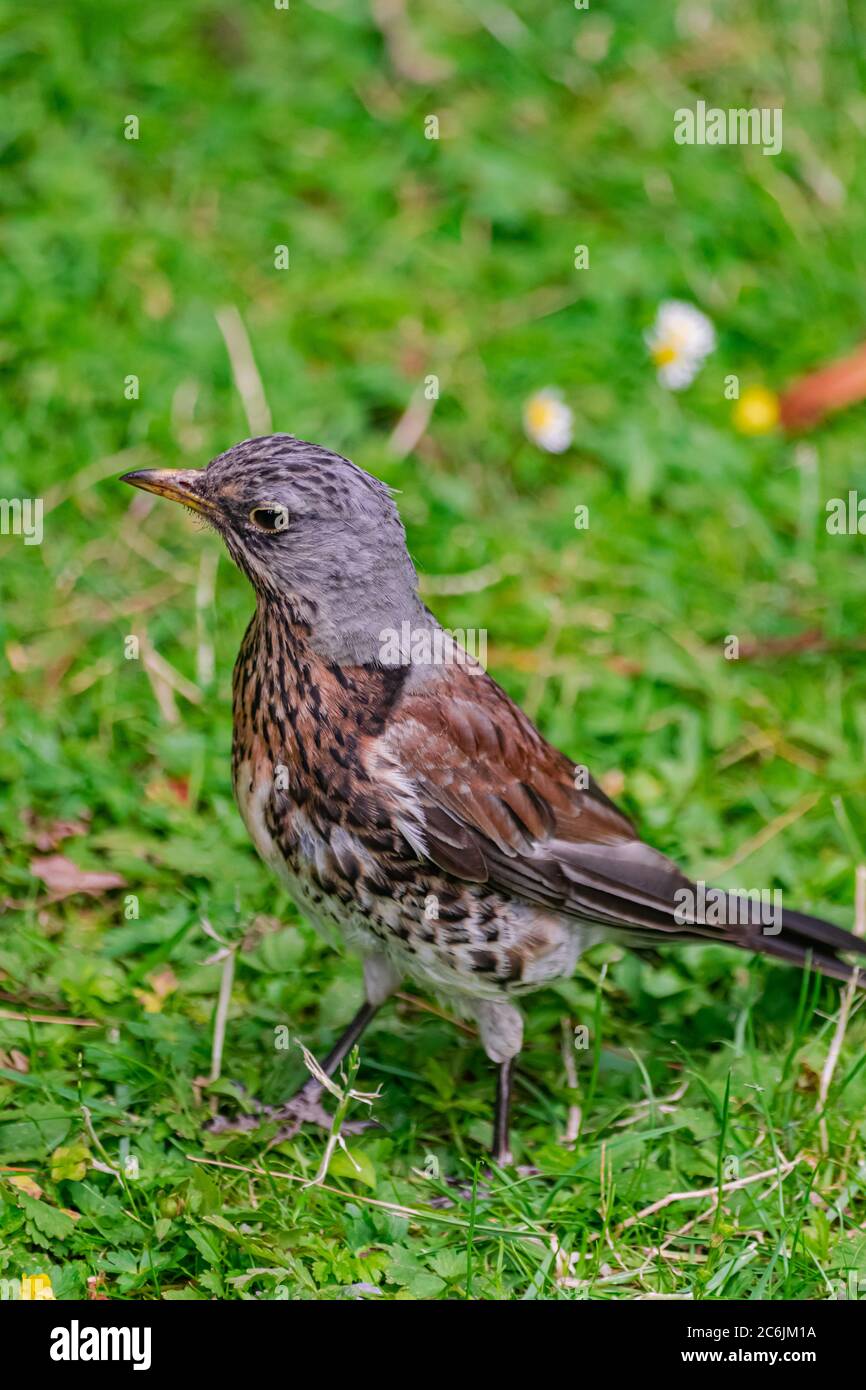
pixel 804 940
pixel 644 896
pixel 761 924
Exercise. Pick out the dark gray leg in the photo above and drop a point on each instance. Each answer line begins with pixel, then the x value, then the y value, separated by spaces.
pixel 501 1027
pixel 305 1106
pixel 501 1153
pixel 341 1049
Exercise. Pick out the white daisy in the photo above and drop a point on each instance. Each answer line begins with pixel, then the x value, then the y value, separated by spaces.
pixel 548 421
pixel 679 340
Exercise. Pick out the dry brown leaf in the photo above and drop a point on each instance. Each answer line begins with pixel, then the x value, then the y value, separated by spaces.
pixel 24 1183
pixel 48 834
pixel 168 791
pixel 163 983
pixel 63 878
pixel 13 1060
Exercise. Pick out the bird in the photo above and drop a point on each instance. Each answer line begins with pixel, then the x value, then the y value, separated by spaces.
pixel 402 797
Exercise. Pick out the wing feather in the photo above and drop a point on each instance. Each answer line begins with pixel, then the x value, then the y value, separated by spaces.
pixel 500 805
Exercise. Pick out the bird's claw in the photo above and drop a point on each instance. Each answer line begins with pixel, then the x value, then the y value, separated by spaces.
pixel 305 1108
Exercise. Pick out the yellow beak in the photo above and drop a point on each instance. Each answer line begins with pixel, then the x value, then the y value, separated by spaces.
pixel 177 484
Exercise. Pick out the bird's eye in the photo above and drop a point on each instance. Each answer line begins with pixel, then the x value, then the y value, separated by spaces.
pixel 273 516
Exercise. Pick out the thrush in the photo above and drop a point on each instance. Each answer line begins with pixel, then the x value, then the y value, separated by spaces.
pixel 401 796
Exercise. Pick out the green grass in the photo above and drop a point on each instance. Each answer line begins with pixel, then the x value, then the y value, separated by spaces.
pixel 411 257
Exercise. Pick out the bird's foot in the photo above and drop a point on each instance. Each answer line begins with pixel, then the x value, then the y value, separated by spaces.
pixel 290 1116
pixel 305 1108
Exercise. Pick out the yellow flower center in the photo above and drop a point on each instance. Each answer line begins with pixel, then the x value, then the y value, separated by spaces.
pixel 663 354
pixel 539 414
pixel 757 411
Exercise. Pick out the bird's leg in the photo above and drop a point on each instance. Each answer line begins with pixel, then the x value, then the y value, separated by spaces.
pixel 501 1153
pixel 341 1049
pixel 501 1029
pixel 305 1106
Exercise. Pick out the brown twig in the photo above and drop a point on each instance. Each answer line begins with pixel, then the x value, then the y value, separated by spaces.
pixel 782 1171
pixel 50 1018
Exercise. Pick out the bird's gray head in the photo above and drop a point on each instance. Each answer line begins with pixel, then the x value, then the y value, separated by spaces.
pixel 309 527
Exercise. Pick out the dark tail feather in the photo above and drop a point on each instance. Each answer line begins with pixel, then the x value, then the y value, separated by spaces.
pixel 633 890
pixel 794 937
pixel 805 939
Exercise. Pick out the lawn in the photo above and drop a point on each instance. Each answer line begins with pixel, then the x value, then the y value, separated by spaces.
pixel 282 193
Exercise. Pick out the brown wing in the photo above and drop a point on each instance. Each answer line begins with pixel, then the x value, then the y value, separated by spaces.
pixel 488 800
pixel 497 804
